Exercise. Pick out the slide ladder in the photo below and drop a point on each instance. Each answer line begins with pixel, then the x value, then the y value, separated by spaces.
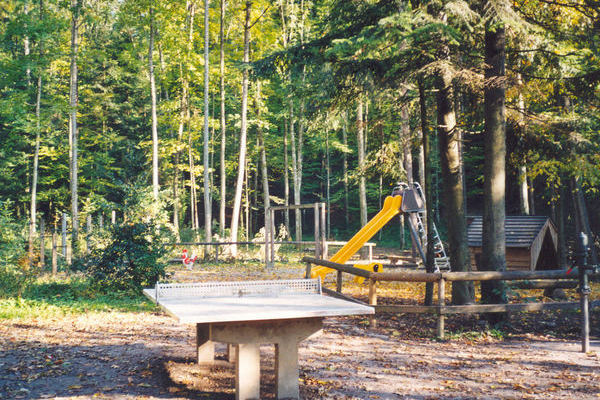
pixel 416 217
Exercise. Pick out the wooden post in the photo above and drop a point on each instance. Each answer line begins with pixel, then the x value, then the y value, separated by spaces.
pixel 338 287
pixel 88 231
pixel 54 252
pixel 63 234
pixel 323 226
pixel 317 231
pixel 372 301
pixel 113 217
pixel 308 268
pixel 42 243
pixel 441 303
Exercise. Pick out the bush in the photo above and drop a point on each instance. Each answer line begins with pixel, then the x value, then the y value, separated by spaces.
pixel 134 258
pixel 15 271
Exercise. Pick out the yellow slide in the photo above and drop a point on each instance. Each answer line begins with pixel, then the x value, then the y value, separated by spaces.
pixel 391 207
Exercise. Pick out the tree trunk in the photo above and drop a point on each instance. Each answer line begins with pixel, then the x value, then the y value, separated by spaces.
pixel 493 257
pixel 36 153
pixel 207 194
pixel 243 134
pixel 583 218
pixel 297 213
pixel 345 167
pixel 406 145
pixel 155 186
pixel 263 161
pixel 522 170
pixel 328 186
pixel 223 175
pixel 407 164
pixel 73 105
pixel 456 220
pixel 428 190
pixel 362 184
pixel 562 242
pixel 286 178
pixel 298 175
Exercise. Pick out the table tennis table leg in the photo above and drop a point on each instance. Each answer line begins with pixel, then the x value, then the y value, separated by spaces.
pixel 247 371
pixel 286 369
pixel 206 348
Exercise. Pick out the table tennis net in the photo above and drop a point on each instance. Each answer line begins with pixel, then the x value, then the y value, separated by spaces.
pixel 271 288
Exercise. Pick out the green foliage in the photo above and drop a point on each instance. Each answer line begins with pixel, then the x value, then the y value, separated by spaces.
pixel 15 271
pixel 134 258
pixel 54 297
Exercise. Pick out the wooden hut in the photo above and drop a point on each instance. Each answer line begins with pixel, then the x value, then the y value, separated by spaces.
pixel 531 242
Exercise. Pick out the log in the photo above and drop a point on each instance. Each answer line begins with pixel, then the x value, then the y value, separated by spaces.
pixel 544 284
pixel 407 276
pixel 338 267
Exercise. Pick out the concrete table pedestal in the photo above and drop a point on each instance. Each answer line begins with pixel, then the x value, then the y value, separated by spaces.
pixel 247 336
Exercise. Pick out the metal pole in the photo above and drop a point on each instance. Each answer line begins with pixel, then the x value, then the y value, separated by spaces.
pixel 584 290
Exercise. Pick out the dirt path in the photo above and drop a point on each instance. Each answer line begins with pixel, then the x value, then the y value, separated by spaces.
pixel 149 356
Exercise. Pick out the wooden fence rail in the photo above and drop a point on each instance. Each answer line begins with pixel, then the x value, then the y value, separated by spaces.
pixel 440 278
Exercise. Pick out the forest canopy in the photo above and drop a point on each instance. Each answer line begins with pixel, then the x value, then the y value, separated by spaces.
pixel 215 110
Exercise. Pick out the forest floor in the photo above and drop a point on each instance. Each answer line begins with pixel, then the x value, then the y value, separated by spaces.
pixel 148 355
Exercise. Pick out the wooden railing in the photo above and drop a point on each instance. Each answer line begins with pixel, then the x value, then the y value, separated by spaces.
pixel 440 279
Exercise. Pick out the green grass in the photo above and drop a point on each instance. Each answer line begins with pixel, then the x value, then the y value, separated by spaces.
pixel 55 297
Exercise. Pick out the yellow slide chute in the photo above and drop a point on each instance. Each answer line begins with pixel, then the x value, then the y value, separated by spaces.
pixel 391 207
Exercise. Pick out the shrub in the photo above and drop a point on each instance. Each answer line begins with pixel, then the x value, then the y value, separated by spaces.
pixel 15 271
pixel 134 258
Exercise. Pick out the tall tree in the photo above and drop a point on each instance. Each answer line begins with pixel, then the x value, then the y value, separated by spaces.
pixel 155 185
pixel 207 192
pixel 36 154
pixel 362 185
pixel 73 134
pixel 237 200
pixel 456 221
pixel 223 175
pixel 493 256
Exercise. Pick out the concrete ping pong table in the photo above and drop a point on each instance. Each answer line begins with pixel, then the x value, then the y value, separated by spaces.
pixel 246 314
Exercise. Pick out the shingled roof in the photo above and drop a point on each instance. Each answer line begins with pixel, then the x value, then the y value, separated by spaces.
pixel 520 230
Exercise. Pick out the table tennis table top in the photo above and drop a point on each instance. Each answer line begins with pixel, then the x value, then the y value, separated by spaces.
pixel 214 302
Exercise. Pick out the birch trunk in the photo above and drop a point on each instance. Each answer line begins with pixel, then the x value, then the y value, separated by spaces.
pixel 263 162
pixel 345 166
pixel 223 175
pixel 522 170
pixel 243 135
pixel 36 153
pixel 73 135
pixel 207 196
pixel 362 185
pixel 286 178
pixel 155 186
pixel 428 190
pixel 297 213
